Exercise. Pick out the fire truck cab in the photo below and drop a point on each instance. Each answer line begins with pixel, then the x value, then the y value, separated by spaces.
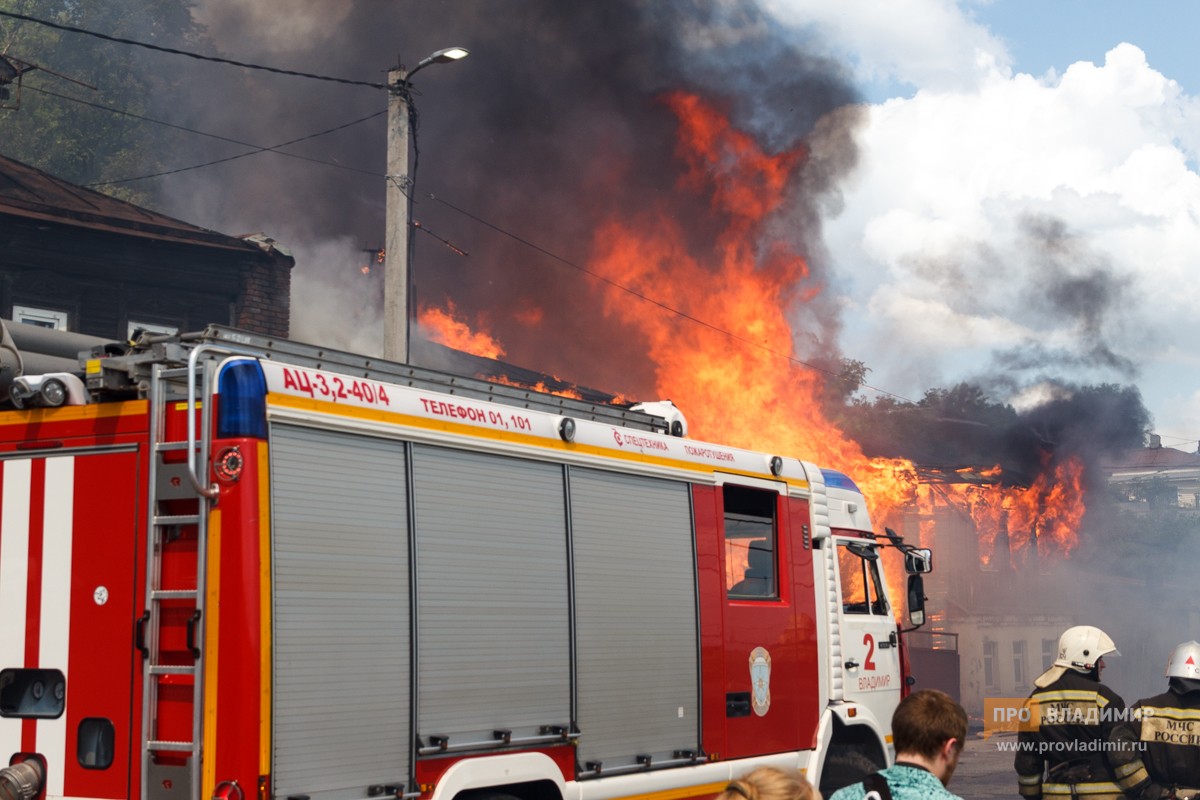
pixel 250 569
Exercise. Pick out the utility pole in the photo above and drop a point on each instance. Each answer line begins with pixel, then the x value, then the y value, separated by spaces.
pixel 398 208
pixel 397 280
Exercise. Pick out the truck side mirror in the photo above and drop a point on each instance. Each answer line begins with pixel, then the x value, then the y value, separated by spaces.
pixel 916 600
pixel 917 561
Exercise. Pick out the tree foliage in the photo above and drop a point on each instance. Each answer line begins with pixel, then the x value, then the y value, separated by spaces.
pixel 842 379
pixel 58 127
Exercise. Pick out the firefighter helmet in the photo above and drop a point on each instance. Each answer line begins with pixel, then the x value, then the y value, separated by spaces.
pixel 1082 646
pixel 1184 661
pixel 1079 648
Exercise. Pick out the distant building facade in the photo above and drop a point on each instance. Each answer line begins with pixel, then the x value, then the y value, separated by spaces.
pixel 75 259
pixel 1157 476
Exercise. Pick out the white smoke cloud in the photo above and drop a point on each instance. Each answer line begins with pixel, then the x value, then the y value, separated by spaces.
pixel 999 212
pixel 930 44
pixel 333 302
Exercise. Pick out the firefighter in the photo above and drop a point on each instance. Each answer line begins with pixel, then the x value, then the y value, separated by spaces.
pixel 1062 753
pixel 929 730
pixel 1157 750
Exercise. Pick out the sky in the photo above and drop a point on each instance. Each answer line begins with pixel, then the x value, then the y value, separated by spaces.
pixel 1000 192
pixel 1026 201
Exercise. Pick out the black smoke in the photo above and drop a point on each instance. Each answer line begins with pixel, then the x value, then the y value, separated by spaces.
pixel 966 427
pixel 1073 286
pixel 555 121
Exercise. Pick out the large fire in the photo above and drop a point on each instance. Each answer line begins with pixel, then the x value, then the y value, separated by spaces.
pixel 727 358
pixel 1041 518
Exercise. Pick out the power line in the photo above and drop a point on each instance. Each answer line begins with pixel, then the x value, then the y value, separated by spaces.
pixel 651 300
pixel 255 151
pixel 173 51
pixel 185 129
pixel 1181 440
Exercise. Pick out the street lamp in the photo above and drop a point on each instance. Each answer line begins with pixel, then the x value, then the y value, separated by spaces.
pixel 398 249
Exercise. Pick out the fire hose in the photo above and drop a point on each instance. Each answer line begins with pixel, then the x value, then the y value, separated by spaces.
pixel 21 781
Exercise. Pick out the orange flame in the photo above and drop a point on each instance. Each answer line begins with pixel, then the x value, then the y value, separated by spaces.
pixel 540 386
pixel 1043 517
pixel 442 326
pixel 728 357
pixel 744 388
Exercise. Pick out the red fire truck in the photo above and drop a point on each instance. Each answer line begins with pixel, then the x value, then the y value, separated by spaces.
pixel 250 569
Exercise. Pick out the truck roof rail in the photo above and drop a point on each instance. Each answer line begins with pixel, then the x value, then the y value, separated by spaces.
pixel 126 372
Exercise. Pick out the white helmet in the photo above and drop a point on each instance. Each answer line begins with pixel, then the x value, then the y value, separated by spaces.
pixel 1079 648
pixel 1184 661
pixel 1082 646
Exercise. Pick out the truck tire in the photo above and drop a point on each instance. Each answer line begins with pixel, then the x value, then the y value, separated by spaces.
pixel 846 764
pixel 485 794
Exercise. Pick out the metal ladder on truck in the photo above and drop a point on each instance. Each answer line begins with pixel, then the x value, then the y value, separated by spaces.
pixel 178 478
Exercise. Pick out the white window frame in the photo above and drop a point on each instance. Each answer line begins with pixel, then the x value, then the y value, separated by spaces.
pixel 42 317
pixel 990 654
pixel 1020 663
pixel 1049 653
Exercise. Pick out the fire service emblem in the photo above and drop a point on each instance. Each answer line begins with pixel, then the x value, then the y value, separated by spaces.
pixel 760 680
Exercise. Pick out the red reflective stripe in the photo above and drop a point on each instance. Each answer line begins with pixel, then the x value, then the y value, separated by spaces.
pixel 33 591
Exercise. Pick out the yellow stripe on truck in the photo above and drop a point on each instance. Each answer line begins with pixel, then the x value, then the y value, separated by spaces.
pixel 264 610
pixel 212 619
pixel 677 794
pixel 508 437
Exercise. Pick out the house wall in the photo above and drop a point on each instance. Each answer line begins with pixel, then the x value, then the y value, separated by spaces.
pixel 1001 656
pixel 104 280
pixel 261 305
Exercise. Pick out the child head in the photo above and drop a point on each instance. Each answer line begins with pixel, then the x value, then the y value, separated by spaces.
pixel 770 783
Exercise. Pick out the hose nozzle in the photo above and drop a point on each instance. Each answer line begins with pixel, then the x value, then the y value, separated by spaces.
pixel 21 781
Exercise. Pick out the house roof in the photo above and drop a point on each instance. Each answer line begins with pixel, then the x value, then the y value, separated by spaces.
pixel 33 194
pixel 1155 458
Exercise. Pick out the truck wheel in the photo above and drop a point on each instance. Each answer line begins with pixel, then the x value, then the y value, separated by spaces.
pixel 485 794
pixel 845 764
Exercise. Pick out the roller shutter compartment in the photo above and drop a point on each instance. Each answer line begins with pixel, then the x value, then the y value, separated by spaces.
pixel 491 596
pixel 341 613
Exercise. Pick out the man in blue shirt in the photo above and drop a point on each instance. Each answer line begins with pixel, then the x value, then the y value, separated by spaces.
pixel 929 730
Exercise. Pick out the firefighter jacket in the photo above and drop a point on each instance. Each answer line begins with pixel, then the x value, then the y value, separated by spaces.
pixel 1064 746
pixel 905 782
pixel 1158 749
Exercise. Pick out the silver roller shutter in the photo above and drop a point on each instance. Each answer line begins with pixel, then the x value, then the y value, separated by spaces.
pixel 636 630
pixel 341 613
pixel 491 595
